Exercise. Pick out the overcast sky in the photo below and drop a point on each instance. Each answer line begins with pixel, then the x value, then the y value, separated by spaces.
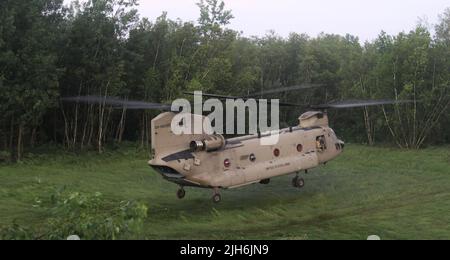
pixel 362 18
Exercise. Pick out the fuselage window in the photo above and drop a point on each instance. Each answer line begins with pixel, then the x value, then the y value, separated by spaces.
pixel 321 143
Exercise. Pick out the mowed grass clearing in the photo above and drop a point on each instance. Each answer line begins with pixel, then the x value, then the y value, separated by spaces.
pixel 392 193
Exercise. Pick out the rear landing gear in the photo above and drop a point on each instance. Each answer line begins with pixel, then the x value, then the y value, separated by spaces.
pixel 181 193
pixel 216 197
pixel 298 182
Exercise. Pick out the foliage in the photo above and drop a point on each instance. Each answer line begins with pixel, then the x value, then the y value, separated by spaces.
pixel 16 232
pixel 102 47
pixel 88 216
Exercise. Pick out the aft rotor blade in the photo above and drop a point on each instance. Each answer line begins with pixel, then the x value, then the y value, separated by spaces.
pixel 214 95
pixel 287 89
pixel 224 97
pixel 360 103
pixel 118 103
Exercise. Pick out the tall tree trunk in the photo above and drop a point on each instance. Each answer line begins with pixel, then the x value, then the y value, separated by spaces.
pixel 100 128
pixel 369 126
pixel 367 119
pixel 66 141
pixel 5 141
pixel 101 115
pixel 414 139
pixel 83 136
pixel 106 124
pixel 121 126
pixel 33 137
pixel 20 142
pixel 391 130
pixel 75 126
pixel 77 107
pixel 397 107
pixel 147 132
pixel 142 130
pixel 91 129
pixel 11 135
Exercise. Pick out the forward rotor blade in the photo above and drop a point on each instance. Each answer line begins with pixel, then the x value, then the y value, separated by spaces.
pixel 258 94
pixel 286 89
pixel 360 103
pixel 224 97
pixel 221 97
pixel 118 103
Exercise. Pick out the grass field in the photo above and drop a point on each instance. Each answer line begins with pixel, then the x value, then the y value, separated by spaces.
pixel 392 193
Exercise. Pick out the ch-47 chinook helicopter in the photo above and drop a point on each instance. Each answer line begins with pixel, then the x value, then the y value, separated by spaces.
pixel 214 162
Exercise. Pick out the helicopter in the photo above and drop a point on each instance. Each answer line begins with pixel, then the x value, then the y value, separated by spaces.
pixel 210 160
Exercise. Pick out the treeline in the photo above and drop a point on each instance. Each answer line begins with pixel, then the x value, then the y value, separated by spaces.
pixel 103 47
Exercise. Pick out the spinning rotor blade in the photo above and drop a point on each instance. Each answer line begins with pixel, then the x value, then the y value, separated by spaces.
pixel 214 96
pixel 260 94
pixel 360 103
pixel 224 97
pixel 286 89
pixel 118 103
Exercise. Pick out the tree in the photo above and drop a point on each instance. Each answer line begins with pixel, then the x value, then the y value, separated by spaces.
pixel 213 17
pixel 92 57
pixel 101 47
pixel 443 28
pixel 441 75
pixel 407 70
pixel 28 66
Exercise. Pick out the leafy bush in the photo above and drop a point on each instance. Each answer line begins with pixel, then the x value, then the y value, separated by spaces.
pixel 16 232
pixel 88 216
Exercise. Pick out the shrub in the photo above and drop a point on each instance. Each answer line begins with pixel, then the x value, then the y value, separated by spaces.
pixel 89 216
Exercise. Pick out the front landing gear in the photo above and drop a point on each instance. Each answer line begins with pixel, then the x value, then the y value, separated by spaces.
pixel 265 181
pixel 181 193
pixel 298 182
pixel 216 197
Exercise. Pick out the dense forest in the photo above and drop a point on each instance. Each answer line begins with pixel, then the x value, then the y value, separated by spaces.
pixel 49 50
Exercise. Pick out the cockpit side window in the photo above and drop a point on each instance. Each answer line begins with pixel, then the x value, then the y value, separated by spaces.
pixel 321 143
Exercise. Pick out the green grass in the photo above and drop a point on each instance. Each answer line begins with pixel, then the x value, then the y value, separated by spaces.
pixel 392 193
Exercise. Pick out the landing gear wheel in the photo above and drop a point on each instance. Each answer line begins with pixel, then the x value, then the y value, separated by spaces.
pixel 181 193
pixel 265 181
pixel 298 182
pixel 217 198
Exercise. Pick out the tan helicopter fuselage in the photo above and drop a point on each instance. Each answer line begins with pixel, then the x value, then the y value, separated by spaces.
pixel 211 161
pixel 218 163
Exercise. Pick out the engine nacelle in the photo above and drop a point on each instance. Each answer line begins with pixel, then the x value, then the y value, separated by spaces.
pixel 313 119
pixel 210 144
